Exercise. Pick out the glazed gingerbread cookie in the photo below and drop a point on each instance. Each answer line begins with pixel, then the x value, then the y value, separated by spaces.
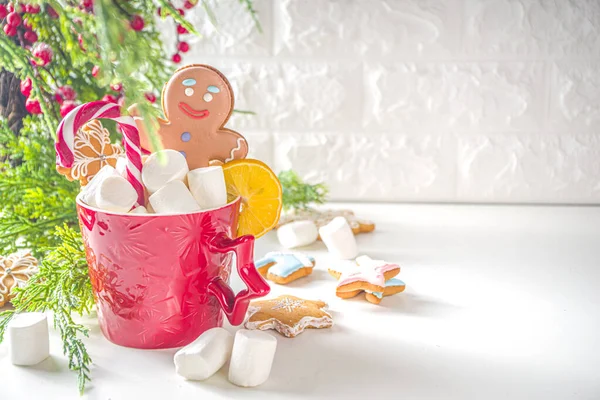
pixel 92 150
pixel 197 102
pixel 15 271
pixel 323 217
pixel 285 267
pixel 366 275
pixel 288 315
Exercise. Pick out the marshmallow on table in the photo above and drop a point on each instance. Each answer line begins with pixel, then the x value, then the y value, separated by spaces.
pixel 115 193
pixel 251 358
pixel 173 198
pixel 203 357
pixel 339 239
pixel 29 339
pixel 157 172
pixel 297 234
pixel 88 192
pixel 208 186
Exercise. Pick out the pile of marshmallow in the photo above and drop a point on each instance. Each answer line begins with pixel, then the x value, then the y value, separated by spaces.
pixel 337 236
pixel 171 186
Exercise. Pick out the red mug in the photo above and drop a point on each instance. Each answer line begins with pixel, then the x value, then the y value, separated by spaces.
pixel 159 281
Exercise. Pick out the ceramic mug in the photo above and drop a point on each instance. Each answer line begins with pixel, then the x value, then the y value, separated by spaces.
pixel 159 281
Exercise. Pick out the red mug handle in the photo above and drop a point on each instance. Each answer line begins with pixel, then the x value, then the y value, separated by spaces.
pixel 235 306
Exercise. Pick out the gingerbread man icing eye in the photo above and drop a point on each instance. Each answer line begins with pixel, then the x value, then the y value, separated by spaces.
pixel 207 97
pixel 189 91
pixel 188 82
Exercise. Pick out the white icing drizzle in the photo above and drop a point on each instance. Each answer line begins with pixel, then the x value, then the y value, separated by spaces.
pixel 239 146
pixel 288 304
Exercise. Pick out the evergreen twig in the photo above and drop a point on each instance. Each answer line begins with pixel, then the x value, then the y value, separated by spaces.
pixel 300 195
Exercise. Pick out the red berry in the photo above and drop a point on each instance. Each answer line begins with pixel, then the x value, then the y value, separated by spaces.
pixel 95 71
pixel 181 11
pixel 183 47
pixel 150 97
pixel 181 30
pixel 26 87
pixel 137 23
pixel 33 106
pixel 10 30
pixel 51 12
pixel 26 23
pixel 110 98
pixel 43 52
pixel 13 19
pixel 3 11
pixel 87 3
pixel 30 36
pixel 116 87
pixel 188 4
pixel 67 107
pixel 32 9
pixel 58 98
pixel 67 92
pixel 176 58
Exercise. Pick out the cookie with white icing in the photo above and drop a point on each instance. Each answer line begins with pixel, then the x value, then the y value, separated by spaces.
pixel 323 217
pixel 15 272
pixel 288 315
pixel 392 286
pixel 284 267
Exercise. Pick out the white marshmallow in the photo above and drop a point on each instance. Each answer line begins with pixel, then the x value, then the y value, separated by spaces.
pixel 29 339
pixel 88 192
pixel 339 239
pixel 208 186
pixel 203 357
pixel 115 193
pixel 139 210
pixel 251 358
pixel 297 234
pixel 157 173
pixel 173 198
pixel 121 166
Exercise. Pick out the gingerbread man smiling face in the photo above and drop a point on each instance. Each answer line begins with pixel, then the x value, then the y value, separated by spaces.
pixel 197 102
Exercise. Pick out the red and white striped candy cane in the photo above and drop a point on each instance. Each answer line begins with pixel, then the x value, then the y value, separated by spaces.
pixel 65 138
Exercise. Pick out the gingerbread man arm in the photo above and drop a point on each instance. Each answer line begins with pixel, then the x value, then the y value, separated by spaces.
pixel 229 145
pixel 139 122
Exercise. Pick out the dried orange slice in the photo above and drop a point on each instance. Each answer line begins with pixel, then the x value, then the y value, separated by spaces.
pixel 260 191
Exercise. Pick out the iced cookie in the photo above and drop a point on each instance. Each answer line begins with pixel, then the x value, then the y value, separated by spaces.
pixel 15 271
pixel 288 315
pixel 392 286
pixel 92 150
pixel 365 274
pixel 285 267
pixel 323 217
pixel 197 102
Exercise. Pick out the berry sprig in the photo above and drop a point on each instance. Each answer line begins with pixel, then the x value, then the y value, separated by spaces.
pixel 181 45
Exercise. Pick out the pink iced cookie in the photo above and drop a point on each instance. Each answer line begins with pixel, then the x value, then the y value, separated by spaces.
pixel 363 274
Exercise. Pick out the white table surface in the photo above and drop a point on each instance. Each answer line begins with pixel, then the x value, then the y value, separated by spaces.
pixel 501 303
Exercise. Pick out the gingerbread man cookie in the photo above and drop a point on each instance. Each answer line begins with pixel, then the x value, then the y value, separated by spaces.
pixel 92 150
pixel 288 315
pixel 197 102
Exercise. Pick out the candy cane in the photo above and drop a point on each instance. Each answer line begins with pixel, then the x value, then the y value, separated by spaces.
pixel 65 138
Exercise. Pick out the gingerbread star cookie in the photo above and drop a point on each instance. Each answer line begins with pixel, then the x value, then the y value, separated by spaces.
pixel 323 217
pixel 285 267
pixel 373 277
pixel 288 315
pixel 15 271
pixel 197 102
pixel 92 150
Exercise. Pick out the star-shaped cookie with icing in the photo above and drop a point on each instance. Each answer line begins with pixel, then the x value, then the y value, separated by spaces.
pixel 284 267
pixel 364 274
pixel 197 102
pixel 92 150
pixel 288 315
pixel 15 271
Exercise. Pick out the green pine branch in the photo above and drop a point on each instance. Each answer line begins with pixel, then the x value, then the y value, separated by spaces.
pixel 300 195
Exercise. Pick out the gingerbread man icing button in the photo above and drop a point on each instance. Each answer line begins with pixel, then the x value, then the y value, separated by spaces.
pixel 197 102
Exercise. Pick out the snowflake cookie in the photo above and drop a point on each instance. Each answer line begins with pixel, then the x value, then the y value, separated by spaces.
pixel 15 271
pixel 288 315
pixel 92 150
pixel 285 267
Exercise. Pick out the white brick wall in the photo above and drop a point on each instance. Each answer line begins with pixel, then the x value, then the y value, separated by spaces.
pixel 418 100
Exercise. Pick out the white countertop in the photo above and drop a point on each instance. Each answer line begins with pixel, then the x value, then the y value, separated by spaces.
pixel 502 302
